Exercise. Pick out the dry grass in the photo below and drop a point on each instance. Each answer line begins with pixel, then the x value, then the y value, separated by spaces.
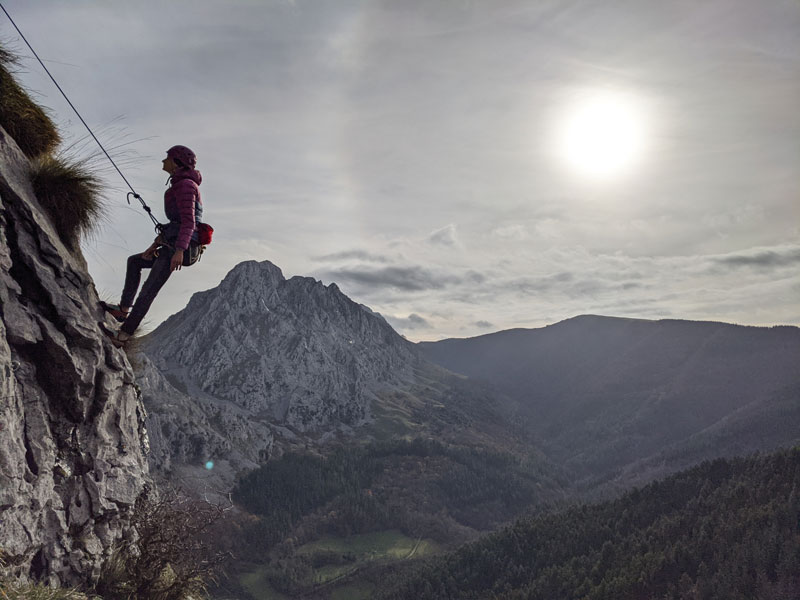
pixel 16 591
pixel 70 193
pixel 12 590
pixel 8 58
pixel 23 119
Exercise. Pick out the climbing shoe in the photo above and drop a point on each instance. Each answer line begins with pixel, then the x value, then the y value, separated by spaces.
pixel 115 310
pixel 118 338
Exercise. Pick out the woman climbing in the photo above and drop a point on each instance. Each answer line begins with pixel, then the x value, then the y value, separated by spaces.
pixel 176 246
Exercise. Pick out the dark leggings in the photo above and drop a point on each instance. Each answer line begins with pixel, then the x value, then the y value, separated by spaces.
pixel 159 273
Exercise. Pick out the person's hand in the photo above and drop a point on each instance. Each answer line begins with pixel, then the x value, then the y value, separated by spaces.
pixel 150 252
pixel 177 261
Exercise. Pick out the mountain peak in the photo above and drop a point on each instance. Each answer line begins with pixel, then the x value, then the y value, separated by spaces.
pixel 264 272
pixel 296 350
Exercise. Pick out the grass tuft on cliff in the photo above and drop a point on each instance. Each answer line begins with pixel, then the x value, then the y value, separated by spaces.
pixel 70 193
pixel 40 592
pixel 14 590
pixel 23 119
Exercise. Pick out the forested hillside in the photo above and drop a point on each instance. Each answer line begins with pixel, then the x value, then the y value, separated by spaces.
pixel 423 489
pixel 601 394
pixel 726 530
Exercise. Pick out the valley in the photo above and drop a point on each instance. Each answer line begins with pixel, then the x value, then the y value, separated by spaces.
pixel 356 458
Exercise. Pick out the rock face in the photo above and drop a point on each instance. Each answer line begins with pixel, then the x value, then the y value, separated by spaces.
pixel 72 438
pixel 198 442
pixel 295 355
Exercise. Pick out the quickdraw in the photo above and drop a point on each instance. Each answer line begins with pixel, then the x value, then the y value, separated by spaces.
pixel 159 226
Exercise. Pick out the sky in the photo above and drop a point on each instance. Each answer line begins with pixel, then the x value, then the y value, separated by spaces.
pixel 460 166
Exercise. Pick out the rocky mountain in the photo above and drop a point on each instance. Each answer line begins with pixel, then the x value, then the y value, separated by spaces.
pixel 295 352
pixel 260 357
pixel 263 363
pixel 72 439
pixel 603 394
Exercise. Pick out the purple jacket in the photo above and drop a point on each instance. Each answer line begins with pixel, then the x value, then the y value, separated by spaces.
pixel 179 203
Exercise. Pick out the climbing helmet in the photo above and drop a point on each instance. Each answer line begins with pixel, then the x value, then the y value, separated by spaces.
pixel 183 155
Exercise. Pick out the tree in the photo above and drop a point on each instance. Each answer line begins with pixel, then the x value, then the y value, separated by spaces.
pixel 171 554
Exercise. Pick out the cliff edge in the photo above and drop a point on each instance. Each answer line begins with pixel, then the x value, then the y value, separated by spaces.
pixel 72 437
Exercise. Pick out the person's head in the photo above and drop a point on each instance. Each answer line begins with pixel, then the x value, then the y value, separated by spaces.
pixel 179 157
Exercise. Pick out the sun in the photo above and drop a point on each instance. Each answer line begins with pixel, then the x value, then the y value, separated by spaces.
pixel 602 135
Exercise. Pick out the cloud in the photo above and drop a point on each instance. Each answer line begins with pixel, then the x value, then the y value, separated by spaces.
pixel 413 321
pixel 511 232
pixel 328 84
pixel 528 285
pixel 764 259
pixel 409 279
pixel 362 255
pixel 570 285
pixel 561 283
pixel 446 236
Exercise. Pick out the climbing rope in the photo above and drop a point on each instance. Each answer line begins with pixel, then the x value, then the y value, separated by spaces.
pixel 133 193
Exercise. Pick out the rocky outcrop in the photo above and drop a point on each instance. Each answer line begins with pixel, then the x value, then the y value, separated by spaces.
pixel 198 443
pixel 72 438
pixel 294 354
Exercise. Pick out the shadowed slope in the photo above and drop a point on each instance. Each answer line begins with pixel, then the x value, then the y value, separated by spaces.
pixel 602 392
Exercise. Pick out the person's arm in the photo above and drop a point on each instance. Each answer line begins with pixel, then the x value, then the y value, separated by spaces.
pixel 184 199
pixel 151 251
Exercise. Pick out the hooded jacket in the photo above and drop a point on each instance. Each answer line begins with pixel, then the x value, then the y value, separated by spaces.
pixel 182 204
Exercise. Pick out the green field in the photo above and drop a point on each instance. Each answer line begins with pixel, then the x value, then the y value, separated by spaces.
pixel 257 585
pixel 337 558
pixel 391 420
pixel 381 545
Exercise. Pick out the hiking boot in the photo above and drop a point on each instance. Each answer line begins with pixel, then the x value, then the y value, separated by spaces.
pixel 115 310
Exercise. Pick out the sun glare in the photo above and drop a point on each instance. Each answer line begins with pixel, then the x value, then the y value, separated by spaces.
pixel 602 135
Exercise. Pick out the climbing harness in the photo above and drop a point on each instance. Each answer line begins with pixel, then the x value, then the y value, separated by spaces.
pixel 133 193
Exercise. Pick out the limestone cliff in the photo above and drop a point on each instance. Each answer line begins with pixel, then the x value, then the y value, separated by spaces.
pixel 72 438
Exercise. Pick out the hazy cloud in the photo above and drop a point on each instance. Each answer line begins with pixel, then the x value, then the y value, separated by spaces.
pixel 446 236
pixel 335 135
pixel 511 232
pixel 528 285
pixel 571 286
pixel 412 322
pixel 764 259
pixel 362 255
pixel 483 324
pixel 410 279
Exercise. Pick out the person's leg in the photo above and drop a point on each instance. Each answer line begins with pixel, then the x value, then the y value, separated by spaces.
pixel 133 275
pixel 159 273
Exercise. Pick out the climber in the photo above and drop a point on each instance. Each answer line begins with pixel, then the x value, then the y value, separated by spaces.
pixel 176 245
